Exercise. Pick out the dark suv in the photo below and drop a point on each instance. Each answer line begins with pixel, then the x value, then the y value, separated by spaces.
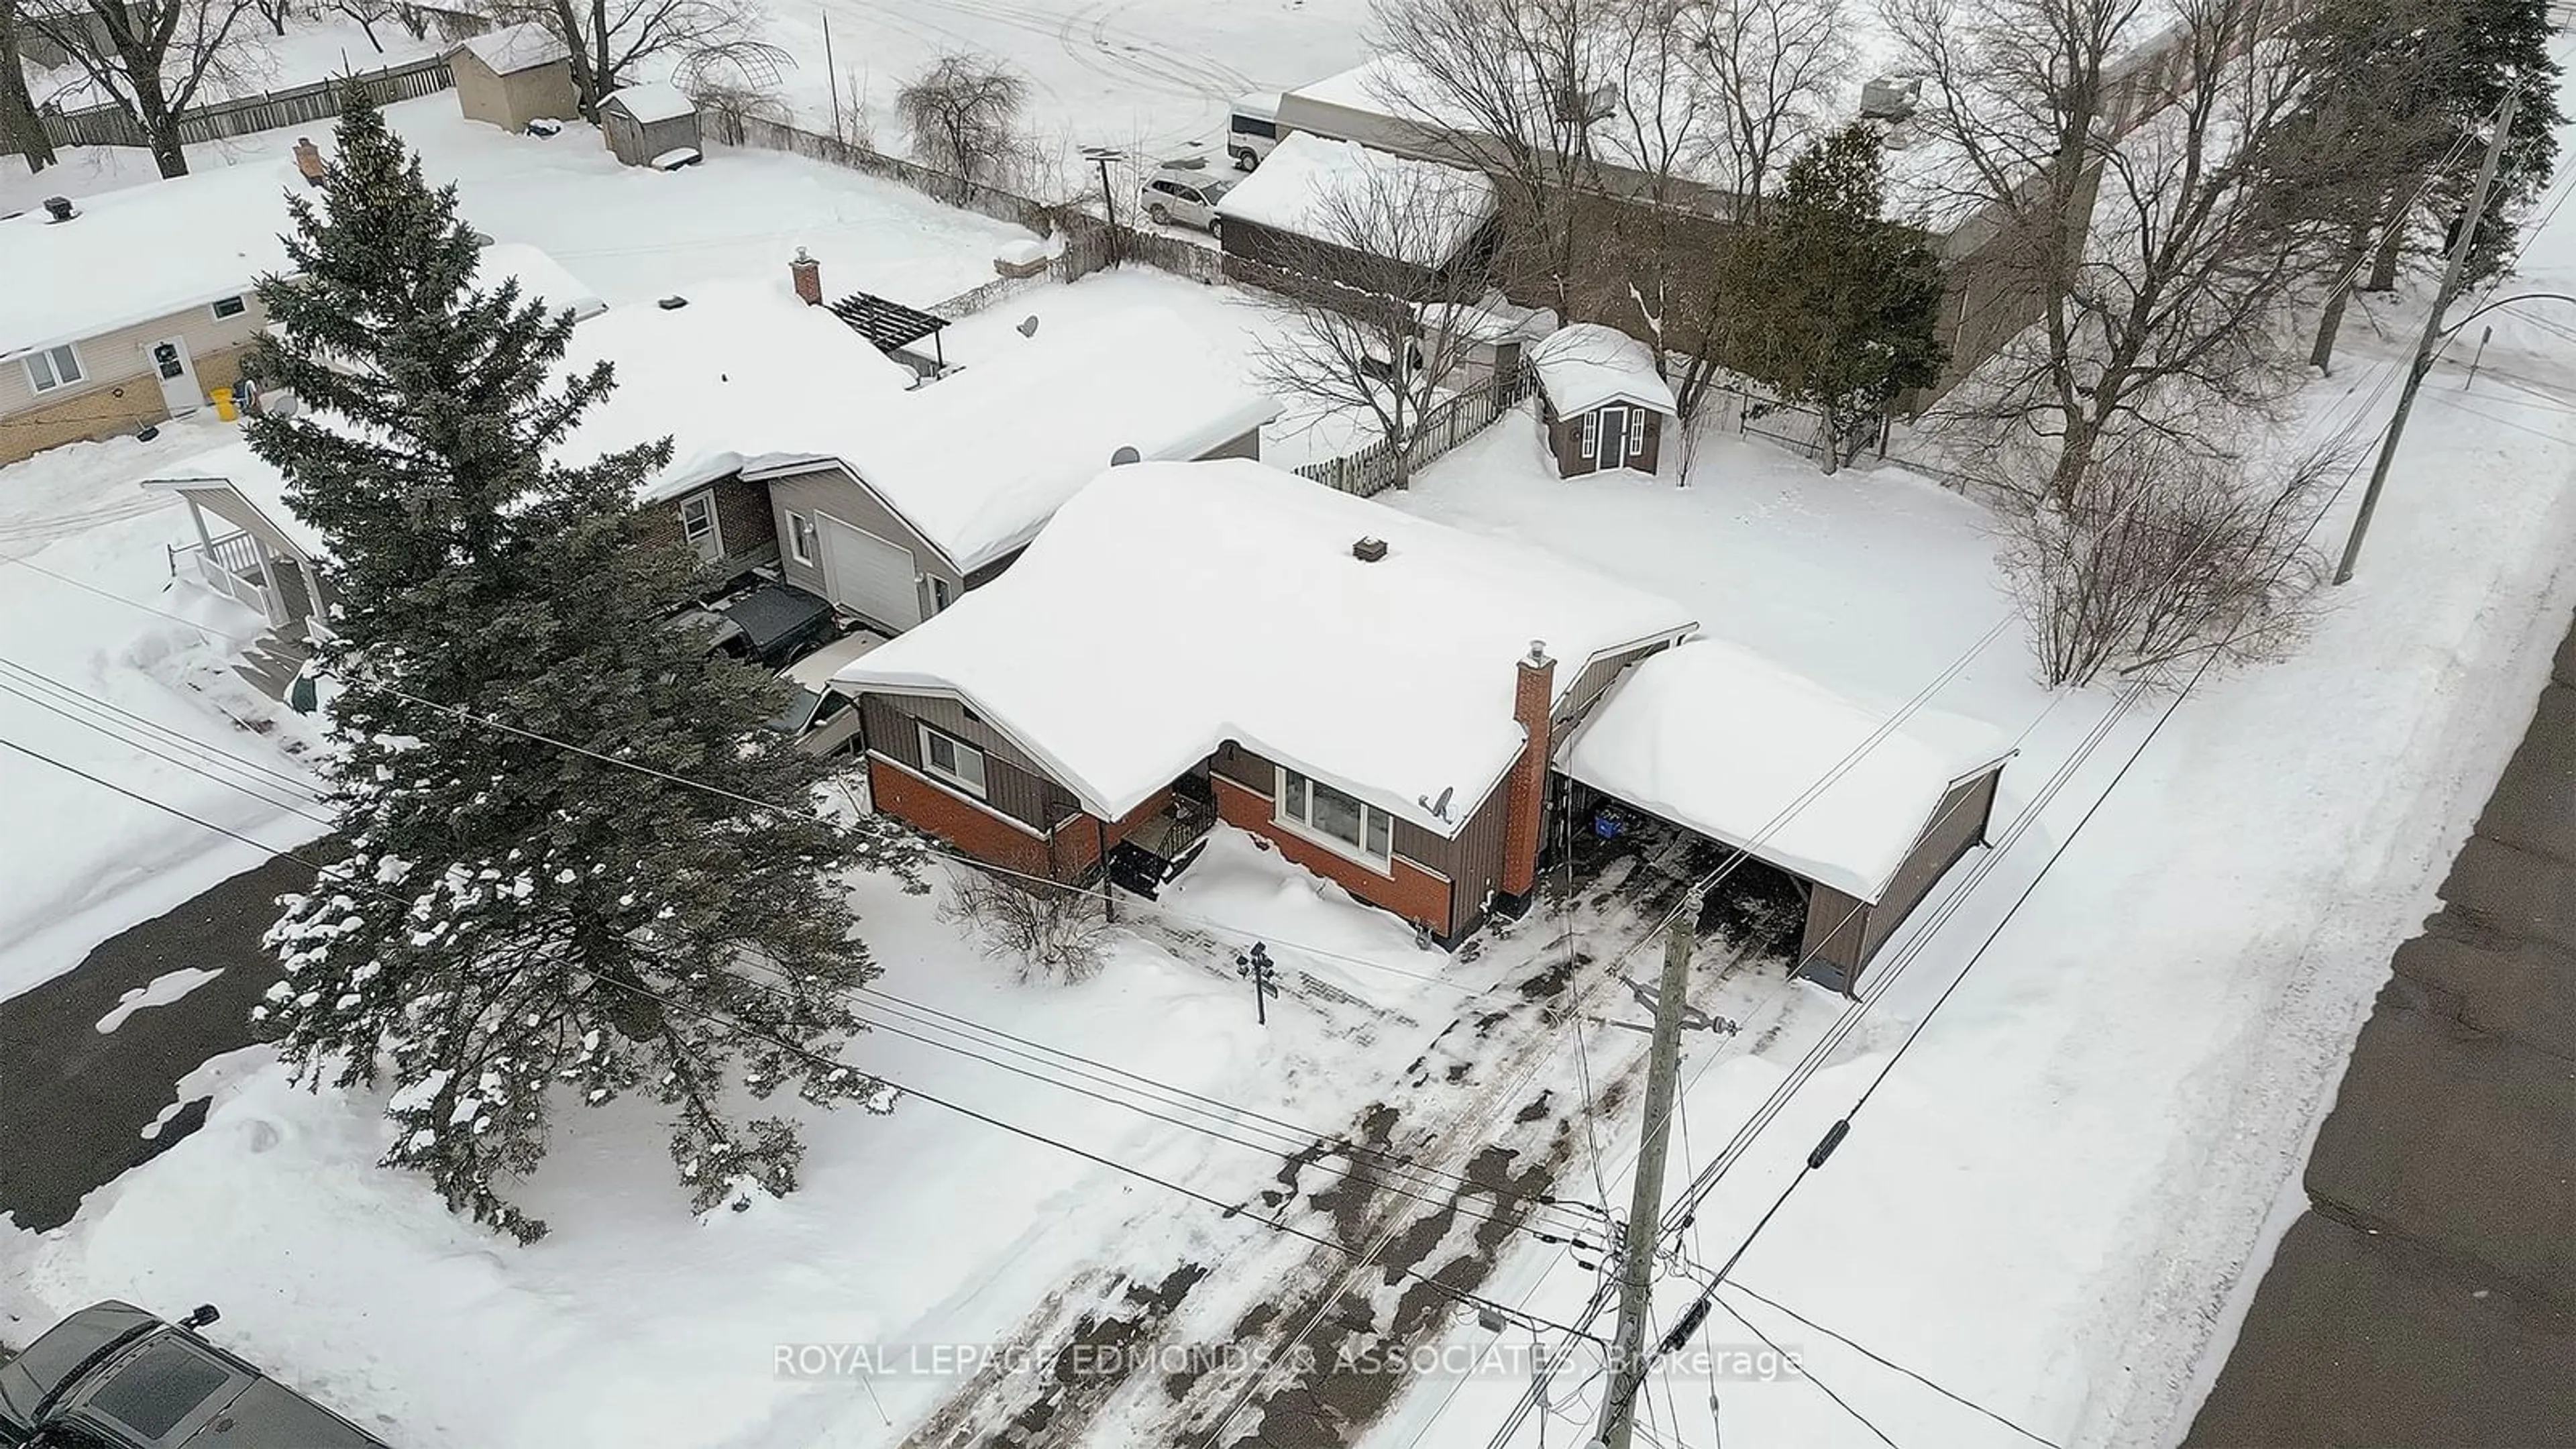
pixel 114 1377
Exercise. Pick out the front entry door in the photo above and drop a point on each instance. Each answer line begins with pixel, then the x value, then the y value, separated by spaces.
pixel 1614 439
pixel 178 376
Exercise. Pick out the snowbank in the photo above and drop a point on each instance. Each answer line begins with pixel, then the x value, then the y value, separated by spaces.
pixel 1347 195
pixel 1583 365
pixel 1718 738
pixel 1169 608
pixel 139 254
pixel 979 460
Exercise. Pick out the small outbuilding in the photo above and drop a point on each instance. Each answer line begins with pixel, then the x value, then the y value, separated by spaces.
pixel 1602 403
pixel 514 75
pixel 1864 810
pixel 1320 210
pixel 650 125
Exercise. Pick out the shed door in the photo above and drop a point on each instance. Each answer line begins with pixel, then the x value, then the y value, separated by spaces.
pixel 867 575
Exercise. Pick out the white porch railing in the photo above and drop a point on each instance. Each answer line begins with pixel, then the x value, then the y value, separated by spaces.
pixel 230 566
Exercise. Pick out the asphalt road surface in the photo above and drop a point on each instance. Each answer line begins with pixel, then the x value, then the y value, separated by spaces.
pixel 2428 1295
pixel 74 1100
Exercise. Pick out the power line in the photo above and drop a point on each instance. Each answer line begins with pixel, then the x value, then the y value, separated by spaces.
pixel 1883 1361
pixel 818 1058
pixel 1807 1374
pixel 1301 1138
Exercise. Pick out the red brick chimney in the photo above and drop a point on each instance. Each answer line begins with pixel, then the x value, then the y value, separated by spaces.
pixel 808 275
pixel 1524 807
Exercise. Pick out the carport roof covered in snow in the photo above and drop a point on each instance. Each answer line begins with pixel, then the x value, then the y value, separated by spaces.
pixel 1718 739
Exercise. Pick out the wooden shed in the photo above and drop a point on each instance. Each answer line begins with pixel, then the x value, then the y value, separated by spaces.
pixel 650 125
pixel 1602 403
pixel 514 75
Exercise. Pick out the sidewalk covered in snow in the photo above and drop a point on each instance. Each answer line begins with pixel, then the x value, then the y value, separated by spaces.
pixel 1866 811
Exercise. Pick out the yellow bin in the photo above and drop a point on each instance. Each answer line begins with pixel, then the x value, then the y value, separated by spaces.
pixel 224 408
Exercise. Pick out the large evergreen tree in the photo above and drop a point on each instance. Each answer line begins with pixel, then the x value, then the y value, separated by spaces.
pixel 1837 305
pixel 519 924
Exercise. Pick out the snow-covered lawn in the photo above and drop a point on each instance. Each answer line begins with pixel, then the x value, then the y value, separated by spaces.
pixel 632 233
pixel 81 863
pixel 2057 1201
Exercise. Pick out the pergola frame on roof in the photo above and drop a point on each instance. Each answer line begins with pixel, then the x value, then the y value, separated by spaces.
pixel 890 325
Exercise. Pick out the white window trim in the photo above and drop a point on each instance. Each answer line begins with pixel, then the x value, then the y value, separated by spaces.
pixel 216 307
pixel 1334 843
pixel 705 501
pixel 1592 434
pixel 1637 432
pixel 796 537
pixel 958 783
pixel 80 368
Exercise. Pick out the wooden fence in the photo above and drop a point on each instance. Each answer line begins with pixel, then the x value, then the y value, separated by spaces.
pixel 109 125
pixel 1372 470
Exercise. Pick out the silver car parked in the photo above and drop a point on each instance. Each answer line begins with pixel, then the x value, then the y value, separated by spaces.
pixel 1186 195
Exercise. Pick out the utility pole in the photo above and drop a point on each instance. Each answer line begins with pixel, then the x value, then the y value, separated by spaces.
pixel 832 74
pixel 2431 341
pixel 1646 1203
pixel 1101 156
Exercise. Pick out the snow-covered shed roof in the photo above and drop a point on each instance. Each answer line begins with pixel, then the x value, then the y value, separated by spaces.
pixel 979 460
pixel 744 369
pixel 1170 607
pixel 1722 740
pixel 540 277
pixel 139 253
pixel 1373 201
pixel 655 101
pixel 254 479
pixel 514 48
pixel 1583 365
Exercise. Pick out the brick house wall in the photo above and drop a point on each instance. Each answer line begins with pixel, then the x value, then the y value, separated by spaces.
pixel 1409 890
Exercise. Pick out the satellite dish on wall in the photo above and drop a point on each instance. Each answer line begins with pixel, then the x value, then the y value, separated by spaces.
pixel 1125 456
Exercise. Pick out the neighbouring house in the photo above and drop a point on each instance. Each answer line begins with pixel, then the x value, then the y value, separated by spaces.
pixel 1189 642
pixel 650 125
pixel 1321 210
pixel 738 372
pixel 125 308
pixel 894 511
pixel 1864 813
pixel 1602 402
pixel 513 75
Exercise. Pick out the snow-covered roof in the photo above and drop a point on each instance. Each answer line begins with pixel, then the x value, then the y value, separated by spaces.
pixel 1373 201
pixel 1170 607
pixel 979 460
pixel 140 253
pixel 254 479
pixel 1724 741
pixel 1583 365
pixel 652 102
pixel 540 277
pixel 514 48
pixel 744 369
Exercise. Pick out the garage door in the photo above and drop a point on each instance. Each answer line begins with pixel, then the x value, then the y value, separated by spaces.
pixel 869 576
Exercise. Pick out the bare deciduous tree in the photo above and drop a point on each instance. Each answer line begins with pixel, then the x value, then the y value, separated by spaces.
pixel 2177 552
pixel 611 39
pixel 276 13
pixel 22 131
pixel 1379 290
pixel 964 115
pixel 1771 70
pixel 151 59
pixel 1048 932
pixel 2163 311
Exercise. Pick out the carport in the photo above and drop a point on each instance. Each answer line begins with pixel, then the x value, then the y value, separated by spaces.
pixel 1721 741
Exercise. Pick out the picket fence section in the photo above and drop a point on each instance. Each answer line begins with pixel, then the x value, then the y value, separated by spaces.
pixel 1373 469
pixel 304 105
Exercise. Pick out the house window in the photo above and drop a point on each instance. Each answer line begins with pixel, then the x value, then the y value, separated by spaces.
pixel 54 367
pixel 1353 827
pixel 953 760
pixel 698 517
pixel 230 307
pixel 1591 434
pixel 801 541
pixel 1636 435
pixel 938 593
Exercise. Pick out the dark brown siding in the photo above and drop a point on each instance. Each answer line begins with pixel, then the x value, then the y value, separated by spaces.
pixel 1013 783
pixel 1245 444
pixel 1596 677
pixel 1956 827
pixel 1836 926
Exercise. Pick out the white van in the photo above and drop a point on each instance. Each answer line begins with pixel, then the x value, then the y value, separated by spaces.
pixel 1252 129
